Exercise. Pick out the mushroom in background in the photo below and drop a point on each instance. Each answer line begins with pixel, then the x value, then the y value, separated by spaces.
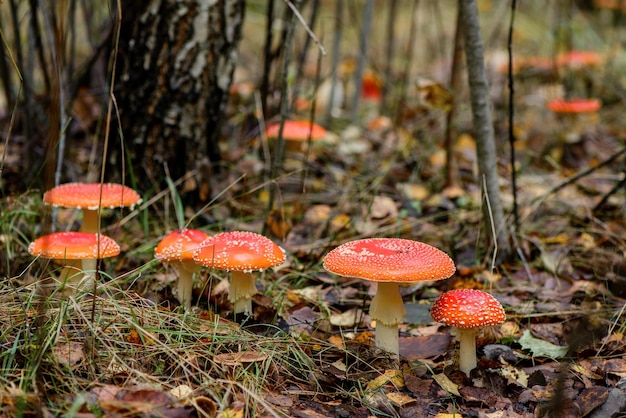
pixel 70 248
pixel 241 253
pixel 296 133
pixel 389 261
pixel 467 310
pixel 90 197
pixel 177 249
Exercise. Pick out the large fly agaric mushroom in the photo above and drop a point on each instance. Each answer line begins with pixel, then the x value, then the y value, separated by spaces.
pixel 241 253
pixel 177 249
pixel 67 248
pixel 90 197
pixel 389 261
pixel 296 133
pixel 467 310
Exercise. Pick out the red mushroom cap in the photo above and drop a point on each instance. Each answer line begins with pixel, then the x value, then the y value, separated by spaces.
pixel 239 251
pixel 579 58
pixel 91 196
pixel 467 308
pixel 371 87
pixel 296 130
pixel 74 246
pixel 389 260
pixel 574 105
pixel 179 245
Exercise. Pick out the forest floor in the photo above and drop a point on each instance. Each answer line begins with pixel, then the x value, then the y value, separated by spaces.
pixel 307 349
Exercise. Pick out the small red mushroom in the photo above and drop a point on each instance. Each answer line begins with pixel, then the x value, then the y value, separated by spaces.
pixel 177 249
pixel 68 248
pixel 467 310
pixel 90 197
pixel 389 261
pixel 241 253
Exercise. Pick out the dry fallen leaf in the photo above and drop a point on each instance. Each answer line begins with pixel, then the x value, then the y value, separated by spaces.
pixel 240 357
pixel 349 318
pixel 400 399
pixel 446 384
pixel 392 376
pixel 70 354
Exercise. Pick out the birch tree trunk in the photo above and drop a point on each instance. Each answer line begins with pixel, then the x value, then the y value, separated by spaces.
pixel 175 69
pixel 493 212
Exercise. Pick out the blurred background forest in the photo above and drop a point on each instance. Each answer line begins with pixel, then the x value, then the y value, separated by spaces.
pixel 72 78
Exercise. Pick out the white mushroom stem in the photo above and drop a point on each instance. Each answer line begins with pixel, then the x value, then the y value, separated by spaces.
pixel 186 270
pixel 242 288
pixel 90 265
pixel 70 273
pixel 90 220
pixel 73 277
pixel 467 349
pixel 387 308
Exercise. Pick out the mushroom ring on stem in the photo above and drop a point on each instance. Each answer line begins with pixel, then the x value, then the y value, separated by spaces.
pixel 467 310
pixel 389 261
pixel 241 253
pixel 177 249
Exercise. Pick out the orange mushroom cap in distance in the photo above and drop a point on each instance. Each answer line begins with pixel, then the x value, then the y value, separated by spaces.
pixel 574 105
pixel 74 246
pixel 579 59
pixel 91 196
pixel 179 245
pixel 389 260
pixel 467 308
pixel 239 251
pixel 296 130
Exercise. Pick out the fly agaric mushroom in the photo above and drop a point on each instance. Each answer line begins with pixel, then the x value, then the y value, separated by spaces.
pixel 296 133
pixel 67 248
pixel 177 249
pixel 467 310
pixel 389 261
pixel 574 105
pixel 90 197
pixel 241 253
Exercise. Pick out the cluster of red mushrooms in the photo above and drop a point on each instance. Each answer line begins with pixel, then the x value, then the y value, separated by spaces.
pixel 388 261
pixel 79 252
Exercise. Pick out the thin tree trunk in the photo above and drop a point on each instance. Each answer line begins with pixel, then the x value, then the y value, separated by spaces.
pixel 368 13
pixel 452 166
pixel 483 127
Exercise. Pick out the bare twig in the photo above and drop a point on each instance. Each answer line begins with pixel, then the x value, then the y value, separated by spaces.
pixel 284 110
pixel 268 57
pixel 297 14
pixel 512 120
pixel 583 173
